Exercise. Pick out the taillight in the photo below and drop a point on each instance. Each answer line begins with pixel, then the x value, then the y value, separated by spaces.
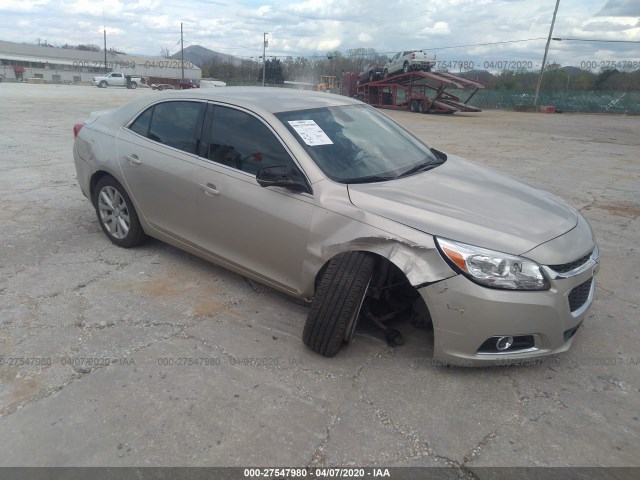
pixel 76 129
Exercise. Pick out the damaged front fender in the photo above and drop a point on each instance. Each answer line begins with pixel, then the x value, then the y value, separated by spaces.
pixel 420 264
pixel 344 228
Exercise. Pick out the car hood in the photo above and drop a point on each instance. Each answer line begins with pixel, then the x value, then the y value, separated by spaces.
pixel 471 203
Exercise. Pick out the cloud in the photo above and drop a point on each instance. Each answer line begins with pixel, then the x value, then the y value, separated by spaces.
pixel 312 27
pixel 620 8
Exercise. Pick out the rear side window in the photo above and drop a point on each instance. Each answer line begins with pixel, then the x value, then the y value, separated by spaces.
pixel 175 124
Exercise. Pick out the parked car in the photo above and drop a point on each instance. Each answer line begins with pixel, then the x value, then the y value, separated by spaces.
pixel 409 60
pixel 162 86
pixel 186 84
pixel 330 200
pixel 372 72
pixel 211 83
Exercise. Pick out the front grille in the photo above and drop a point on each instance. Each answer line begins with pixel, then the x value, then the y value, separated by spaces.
pixel 567 267
pixel 579 295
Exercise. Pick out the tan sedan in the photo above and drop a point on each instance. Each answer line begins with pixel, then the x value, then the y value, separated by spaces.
pixel 327 199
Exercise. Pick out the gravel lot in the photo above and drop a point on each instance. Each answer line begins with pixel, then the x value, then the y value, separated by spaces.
pixel 68 295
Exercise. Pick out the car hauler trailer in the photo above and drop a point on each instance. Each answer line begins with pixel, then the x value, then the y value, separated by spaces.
pixel 422 92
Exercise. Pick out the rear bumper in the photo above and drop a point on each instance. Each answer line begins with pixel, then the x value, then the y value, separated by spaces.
pixel 469 318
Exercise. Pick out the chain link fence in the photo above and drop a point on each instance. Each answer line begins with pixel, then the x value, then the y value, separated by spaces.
pixel 582 101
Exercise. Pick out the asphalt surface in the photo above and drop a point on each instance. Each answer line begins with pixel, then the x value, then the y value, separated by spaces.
pixel 152 357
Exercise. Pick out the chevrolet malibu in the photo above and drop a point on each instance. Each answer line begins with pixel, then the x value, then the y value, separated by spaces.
pixel 327 199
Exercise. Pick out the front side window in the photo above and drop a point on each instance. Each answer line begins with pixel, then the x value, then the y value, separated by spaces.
pixel 358 144
pixel 242 141
pixel 174 124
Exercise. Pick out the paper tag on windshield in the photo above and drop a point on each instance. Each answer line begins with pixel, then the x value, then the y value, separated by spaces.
pixel 310 132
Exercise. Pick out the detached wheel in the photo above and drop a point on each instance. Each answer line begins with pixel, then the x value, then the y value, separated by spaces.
pixel 103 84
pixel 336 306
pixel 116 214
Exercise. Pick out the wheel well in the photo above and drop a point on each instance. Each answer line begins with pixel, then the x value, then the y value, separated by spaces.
pixel 95 178
pixel 390 284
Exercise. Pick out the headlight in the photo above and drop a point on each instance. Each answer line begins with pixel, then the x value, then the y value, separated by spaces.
pixel 494 269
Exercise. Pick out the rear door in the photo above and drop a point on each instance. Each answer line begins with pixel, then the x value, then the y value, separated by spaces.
pixel 157 156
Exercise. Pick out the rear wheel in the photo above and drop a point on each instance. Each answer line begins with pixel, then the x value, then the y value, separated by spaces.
pixel 336 306
pixel 134 85
pixel 405 67
pixel 386 73
pixel 414 105
pixel 116 213
pixel 421 106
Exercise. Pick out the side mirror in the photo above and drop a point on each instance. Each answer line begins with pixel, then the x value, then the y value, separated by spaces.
pixel 279 177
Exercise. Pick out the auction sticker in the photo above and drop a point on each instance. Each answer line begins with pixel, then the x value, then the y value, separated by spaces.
pixel 310 132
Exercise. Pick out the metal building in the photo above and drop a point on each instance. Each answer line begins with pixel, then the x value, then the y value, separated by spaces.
pixel 20 62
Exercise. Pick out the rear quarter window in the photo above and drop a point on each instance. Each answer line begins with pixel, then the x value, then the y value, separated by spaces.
pixel 175 124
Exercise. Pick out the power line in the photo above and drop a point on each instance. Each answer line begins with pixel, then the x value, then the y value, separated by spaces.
pixel 594 40
pixel 488 43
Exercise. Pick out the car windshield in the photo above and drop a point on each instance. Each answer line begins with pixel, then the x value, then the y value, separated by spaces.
pixel 358 144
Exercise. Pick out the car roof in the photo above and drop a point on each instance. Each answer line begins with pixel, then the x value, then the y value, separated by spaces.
pixel 260 100
pixel 269 99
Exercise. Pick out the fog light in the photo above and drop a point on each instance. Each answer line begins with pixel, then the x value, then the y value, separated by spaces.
pixel 504 343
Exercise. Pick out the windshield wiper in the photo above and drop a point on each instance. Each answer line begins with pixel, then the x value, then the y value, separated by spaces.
pixel 369 179
pixel 421 167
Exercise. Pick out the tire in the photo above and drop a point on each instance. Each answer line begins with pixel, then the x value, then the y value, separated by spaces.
pixel 386 73
pixel 421 106
pixel 336 305
pixel 405 67
pixel 134 85
pixel 159 88
pixel 111 200
pixel 103 84
pixel 371 77
pixel 414 106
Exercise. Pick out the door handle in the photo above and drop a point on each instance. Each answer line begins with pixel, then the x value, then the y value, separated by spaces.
pixel 133 159
pixel 209 189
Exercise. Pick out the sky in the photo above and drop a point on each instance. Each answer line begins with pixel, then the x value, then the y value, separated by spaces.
pixel 452 29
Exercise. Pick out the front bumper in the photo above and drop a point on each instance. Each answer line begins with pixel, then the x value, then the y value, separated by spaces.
pixel 468 317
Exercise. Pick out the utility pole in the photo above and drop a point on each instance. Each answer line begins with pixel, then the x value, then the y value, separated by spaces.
pixel 182 50
pixel 546 50
pixel 106 69
pixel 264 58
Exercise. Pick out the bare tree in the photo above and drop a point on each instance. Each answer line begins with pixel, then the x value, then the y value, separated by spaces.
pixel 164 52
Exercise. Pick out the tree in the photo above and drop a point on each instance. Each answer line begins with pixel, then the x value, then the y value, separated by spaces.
pixel 208 68
pixel 603 77
pixel 164 52
pixel 88 47
pixel 273 71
